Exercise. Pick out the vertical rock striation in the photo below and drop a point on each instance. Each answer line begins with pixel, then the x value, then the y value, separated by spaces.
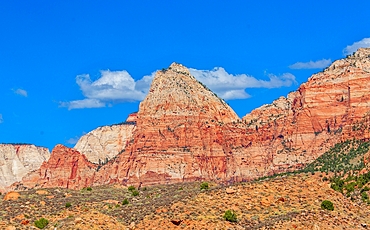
pixel 66 168
pixel 16 160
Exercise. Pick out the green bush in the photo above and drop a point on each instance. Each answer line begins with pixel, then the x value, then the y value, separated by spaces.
pixel 364 196
pixel 327 204
pixel 131 188
pixel 68 205
pixel 89 189
pixel 41 223
pixel 230 216
pixel 135 193
pixel 125 201
pixel 204 186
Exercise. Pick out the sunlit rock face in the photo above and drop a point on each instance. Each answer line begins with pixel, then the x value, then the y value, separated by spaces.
pixel 104 143
pixel 16 160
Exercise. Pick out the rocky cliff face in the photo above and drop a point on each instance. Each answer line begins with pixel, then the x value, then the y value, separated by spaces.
pixel 331 106
pixel 18 160
pixel 66 168
pixel 104 143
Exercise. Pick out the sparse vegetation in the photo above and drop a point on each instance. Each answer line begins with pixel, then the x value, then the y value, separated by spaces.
pixel 125 202
pixel 204 186
pixel 68 205
pixel 230 216
pixel 327 205
pixel 135 193
pixel 131 188
pixel 41 223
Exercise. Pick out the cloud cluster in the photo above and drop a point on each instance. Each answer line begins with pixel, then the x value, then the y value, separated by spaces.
pixel 320 64
pixel 21 92
pixel 118 86
pixel 73 140
pixel 111 87
pixel 229 86
pixel 1 118
pixel 364 43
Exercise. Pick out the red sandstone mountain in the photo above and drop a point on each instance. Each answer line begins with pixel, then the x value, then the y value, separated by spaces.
pixel 66 168
pixel 185 132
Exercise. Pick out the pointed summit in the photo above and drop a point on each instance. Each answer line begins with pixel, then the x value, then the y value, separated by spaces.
pixel 175 92
pixel 177 67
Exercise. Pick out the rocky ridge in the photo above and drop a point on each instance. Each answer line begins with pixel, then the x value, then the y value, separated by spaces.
pixel 16 160
pixel 322 112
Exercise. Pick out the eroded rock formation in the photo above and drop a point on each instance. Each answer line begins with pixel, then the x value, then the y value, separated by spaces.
pixel 16 160
pixel 66 168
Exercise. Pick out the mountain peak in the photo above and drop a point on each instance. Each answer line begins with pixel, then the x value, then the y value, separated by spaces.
pixel 175 92
pixel 362 53
pixel 177 67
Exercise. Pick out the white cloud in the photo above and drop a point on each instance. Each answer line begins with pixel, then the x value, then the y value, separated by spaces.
pixel 72 140
pixel 364 43
pixel 1 118
pixel 320 64
pixel 229 86
pixel 111 87
pixel 118 86
pixel 21 92
pixel 81 104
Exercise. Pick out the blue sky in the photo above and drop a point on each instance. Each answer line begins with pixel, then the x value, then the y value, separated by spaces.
pixel 68 67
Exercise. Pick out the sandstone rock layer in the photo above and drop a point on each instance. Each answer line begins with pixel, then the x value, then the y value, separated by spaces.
pixel 16 160
pixel 104 143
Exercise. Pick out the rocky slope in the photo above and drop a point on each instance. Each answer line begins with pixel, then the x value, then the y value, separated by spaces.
pixel 289 202
pixel 16 160
pixel 66 168
pixel 104 143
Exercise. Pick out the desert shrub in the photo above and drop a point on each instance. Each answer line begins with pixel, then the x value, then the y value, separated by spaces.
pixel 135 193
pixel 230 216
pixel 131 188
pixel 89 189
pixel 125 201
pixel 327 204
pixel 364 196
pixel 41 223
pixel 204 186
pixel 365 189
pixel 68 205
